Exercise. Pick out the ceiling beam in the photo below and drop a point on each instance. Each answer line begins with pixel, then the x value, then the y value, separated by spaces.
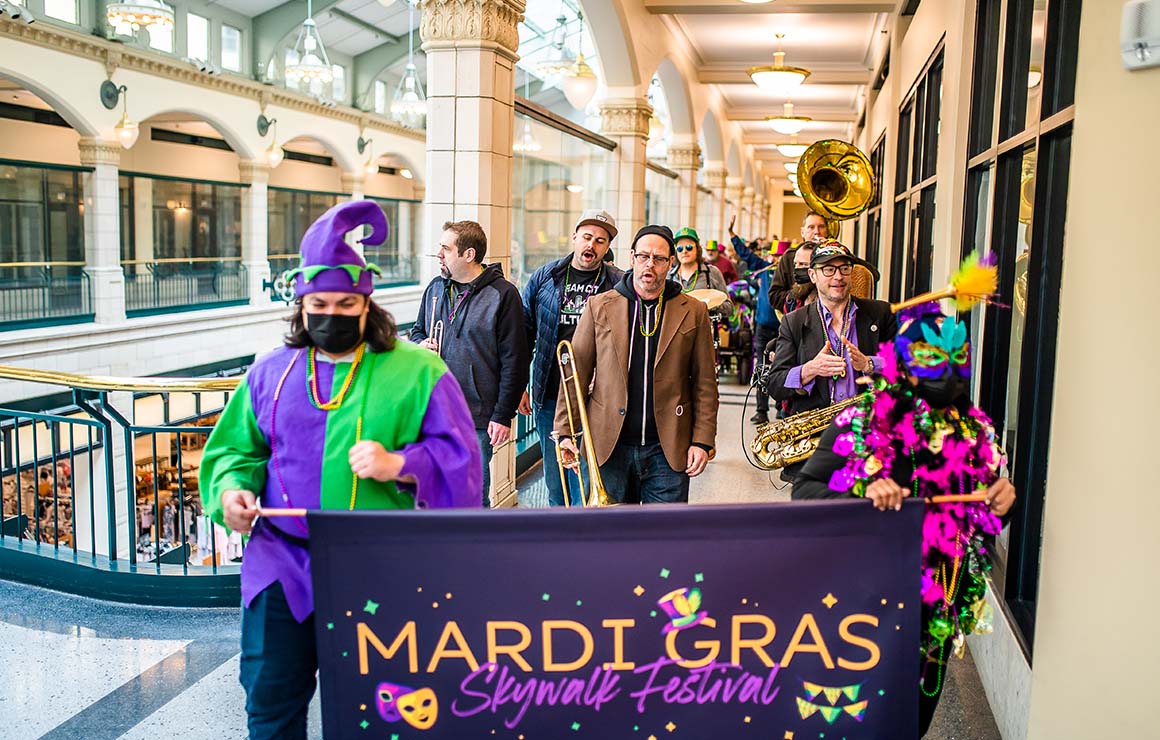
pixel 761 112
pixel 733 74
pixel 732 7
pixel 356 21
pixel 269 28
pixel 371 63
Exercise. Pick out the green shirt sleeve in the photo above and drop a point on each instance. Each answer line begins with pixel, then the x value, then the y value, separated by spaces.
pixel 235 455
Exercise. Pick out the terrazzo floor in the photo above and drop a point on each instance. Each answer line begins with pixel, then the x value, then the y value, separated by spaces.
pixel 76 668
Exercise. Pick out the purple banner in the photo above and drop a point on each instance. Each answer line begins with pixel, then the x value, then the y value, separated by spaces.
pixel 796 621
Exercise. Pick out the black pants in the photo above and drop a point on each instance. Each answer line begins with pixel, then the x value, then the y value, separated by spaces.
pixel 763 336
pixel 277 667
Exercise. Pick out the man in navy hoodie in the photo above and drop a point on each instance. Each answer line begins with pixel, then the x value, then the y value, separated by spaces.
pixel 766 321
pixel 483 339
pixel 554 298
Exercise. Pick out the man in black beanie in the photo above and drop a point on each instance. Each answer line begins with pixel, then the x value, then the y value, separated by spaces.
pixel 653 406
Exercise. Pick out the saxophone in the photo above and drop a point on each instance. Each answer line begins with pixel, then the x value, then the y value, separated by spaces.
pixel 794 438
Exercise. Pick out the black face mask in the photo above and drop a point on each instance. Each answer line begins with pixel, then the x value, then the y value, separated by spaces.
pixel 801 275
pixel 941 392
pixel 332 332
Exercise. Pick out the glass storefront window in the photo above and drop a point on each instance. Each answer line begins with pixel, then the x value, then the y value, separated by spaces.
pixel 181 244
pixel 1034 78
pixel 1021 254
pixel 661 204
pixel 290 213
pixel 42 246
pixel 555 177
pixel 398 256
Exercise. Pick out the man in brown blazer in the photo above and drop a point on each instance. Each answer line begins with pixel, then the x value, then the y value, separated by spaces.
pixel 644 355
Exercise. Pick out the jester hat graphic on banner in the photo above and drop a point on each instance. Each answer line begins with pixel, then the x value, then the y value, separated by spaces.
pixel 329 264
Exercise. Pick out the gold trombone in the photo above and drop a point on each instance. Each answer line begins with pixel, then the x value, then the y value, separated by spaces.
pixel 597 495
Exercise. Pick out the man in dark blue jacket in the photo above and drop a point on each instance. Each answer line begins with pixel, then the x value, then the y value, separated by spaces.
pixel 554 298
pixel 765 317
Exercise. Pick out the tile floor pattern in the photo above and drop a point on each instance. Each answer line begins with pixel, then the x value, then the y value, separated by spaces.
pixel 78 669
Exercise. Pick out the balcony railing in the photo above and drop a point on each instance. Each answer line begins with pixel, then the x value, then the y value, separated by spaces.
pixel 101 497
pixel 44 293
pixel 183 284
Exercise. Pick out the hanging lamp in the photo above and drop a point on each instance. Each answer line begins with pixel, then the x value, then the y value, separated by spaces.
pixel 130 17
pixel 778 76
pixel 580 82
pixel 793 149
pixel 787 122
pixel 527 143
pixel 312 70
pixel 559 60
pixel 409 104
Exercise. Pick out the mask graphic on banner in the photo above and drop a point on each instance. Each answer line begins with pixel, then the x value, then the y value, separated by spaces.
pixel 332 332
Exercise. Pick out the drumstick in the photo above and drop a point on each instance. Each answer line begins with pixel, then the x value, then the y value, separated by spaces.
pixel 262 511
pixel 955 498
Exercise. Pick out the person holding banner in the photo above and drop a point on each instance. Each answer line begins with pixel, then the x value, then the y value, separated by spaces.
pixel 916 433
pixel 644 357
pixel 344 416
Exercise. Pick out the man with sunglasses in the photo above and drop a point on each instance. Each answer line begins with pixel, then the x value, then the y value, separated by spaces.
pixel 644 359
pixel 824 346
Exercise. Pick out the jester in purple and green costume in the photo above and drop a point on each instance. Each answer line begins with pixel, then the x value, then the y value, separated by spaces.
pixel 915 432
pixel 295 432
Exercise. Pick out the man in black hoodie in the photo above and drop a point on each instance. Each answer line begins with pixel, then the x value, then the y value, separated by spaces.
pixel 481 319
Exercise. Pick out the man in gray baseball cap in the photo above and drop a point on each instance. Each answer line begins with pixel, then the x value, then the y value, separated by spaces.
pixel 554 298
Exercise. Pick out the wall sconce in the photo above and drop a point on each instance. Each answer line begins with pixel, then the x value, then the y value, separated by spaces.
pixel 275 154
pixel 127 131
pixel 371 167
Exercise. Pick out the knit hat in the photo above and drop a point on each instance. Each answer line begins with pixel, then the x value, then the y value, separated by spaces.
pixel 329 264
pixel 662 231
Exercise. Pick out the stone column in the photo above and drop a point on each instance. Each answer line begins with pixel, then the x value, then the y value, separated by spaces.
pixel 471 54
pixel 733 189
pixel 715 175
pixel 759 216
pixel 748 222
pixel 685 160
pixel 774 208
pixel 102 226
pixel 255 228
pixel 625 121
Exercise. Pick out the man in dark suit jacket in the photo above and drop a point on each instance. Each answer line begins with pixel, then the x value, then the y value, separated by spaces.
pixel 824 346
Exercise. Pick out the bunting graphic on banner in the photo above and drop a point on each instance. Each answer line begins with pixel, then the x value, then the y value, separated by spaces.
pixel 806 707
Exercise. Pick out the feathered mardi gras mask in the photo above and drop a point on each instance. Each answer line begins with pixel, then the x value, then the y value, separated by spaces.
pixel 929 344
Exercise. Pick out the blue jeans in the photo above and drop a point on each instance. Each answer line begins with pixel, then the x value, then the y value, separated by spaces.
pixel 635 472
pixel 545 421
pixel 486 451
pixel 277 667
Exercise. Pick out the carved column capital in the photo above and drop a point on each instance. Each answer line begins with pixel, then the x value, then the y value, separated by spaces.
pixel 684 157
pixel 715 178
pixel 99 151
pixel 625 117
pixel 252 171
pixel 489 22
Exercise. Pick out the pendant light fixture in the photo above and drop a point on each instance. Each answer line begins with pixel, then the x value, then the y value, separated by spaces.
pixel 787 122
pixel 559 60
pixel 409 105
pixel 793 149
pixel 311 73
pixel 527 143
pixel 130 17
pixel 580 82
pixel 778 76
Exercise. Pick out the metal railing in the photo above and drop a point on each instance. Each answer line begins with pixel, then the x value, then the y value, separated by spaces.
pixel 183 284
pixel 44 293
pixel 98 486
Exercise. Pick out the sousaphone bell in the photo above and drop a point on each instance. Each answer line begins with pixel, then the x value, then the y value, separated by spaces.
pixel 836 181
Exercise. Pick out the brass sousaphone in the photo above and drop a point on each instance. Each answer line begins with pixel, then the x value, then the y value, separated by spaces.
pixel 836 181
